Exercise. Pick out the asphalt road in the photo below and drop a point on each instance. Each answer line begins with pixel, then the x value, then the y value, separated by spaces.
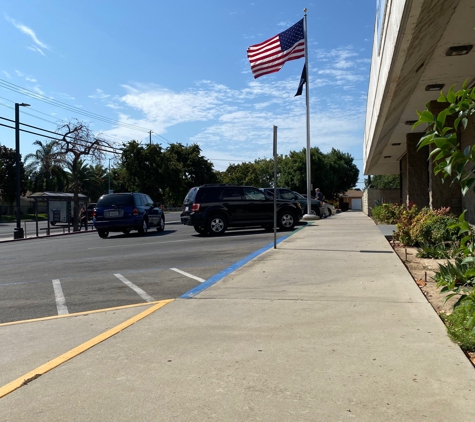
pixel 29 228
pixel 81 272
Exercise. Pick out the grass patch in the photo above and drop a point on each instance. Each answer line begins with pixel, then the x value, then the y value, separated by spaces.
pixel 24 217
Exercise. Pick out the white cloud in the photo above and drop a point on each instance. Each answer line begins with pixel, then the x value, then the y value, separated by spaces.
pixel 6 74
pixel 38 90
pixel 99 95
pixel 237 124
pixel 36 49
pixel 64 96
pixel 28 31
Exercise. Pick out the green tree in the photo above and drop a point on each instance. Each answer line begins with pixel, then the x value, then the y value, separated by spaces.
pixel 143 169
pixel 91 179
pixel 333 173
pixel 450 161
pixel 8 176
pixel 260 173
pixel 241 174
pixel 384 181
pixel 185 167
pixel 342 174
pixel 459 167
pixel 78 141
pixel 44 167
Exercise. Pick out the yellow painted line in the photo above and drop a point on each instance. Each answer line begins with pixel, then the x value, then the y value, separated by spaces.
pixel 43 369
pixel 95 311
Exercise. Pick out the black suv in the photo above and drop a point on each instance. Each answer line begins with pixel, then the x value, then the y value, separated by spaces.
pixel 284 193
pixel 211 209
pixel 123 212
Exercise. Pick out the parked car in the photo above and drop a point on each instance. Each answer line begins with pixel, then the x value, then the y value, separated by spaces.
pixel 329 208
pixel 211 209
pixel 326 209
pixel 90 210
pixel 284 193
pixel 123 212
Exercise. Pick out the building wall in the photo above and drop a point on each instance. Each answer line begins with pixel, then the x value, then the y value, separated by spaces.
pixel 384 45
pixel 417 173
pixel 373 197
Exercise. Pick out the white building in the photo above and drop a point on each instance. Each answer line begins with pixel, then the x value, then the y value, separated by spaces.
pixel 420 47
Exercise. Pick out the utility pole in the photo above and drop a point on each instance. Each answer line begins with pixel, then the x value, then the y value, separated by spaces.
pixel 18 231
pixel 150 137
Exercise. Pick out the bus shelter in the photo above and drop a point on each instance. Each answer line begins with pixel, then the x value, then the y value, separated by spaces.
pixel 59 206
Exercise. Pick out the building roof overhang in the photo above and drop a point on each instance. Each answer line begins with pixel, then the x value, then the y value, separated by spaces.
pixel 428 30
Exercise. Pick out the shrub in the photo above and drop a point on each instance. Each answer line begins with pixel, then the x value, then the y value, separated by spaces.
pixel 439 251
pixel 432 228
pixel 461 324
pixel 404 224
pixel 457 279
pixel 386 213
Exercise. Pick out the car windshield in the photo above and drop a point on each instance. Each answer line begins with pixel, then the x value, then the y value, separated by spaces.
pixel 120 200
pixel 299 195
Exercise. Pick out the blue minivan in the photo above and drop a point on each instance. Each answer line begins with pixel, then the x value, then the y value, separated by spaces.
pixel 124 212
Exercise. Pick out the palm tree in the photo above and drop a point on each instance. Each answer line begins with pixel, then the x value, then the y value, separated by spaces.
pixel 45 167
pixel 91 180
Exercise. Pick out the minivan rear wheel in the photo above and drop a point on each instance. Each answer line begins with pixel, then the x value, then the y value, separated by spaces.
pixel 216 225
pixel 103 233
pixel 144 228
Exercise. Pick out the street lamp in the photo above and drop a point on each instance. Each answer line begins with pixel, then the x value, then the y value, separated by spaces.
pixel 18 231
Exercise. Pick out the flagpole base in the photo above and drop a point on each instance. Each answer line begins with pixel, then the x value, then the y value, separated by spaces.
pixel 310 217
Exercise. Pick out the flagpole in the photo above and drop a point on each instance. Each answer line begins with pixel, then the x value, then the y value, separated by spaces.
pixel 309 171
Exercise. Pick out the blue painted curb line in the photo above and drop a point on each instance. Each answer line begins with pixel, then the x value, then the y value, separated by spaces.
pixel 213 280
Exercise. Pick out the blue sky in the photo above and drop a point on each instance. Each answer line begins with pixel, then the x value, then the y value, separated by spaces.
pixel 180 70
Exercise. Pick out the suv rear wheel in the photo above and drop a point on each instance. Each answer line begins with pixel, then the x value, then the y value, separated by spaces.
pixel 161 225
pixel 200 229
pixel 216 225
pixel 286 220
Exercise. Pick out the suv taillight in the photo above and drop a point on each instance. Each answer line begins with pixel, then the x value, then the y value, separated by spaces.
pixel 195 207
pixel 135 211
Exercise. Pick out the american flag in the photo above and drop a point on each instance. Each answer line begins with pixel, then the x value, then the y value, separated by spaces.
pixel 269 56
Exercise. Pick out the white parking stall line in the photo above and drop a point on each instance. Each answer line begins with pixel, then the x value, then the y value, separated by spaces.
pixel 135 288
pixel 59 297
pixel 137 244
pixel 188 274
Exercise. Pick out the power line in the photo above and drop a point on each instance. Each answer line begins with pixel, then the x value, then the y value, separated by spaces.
pixel 50 101
pixel 48 121
pixel 108 150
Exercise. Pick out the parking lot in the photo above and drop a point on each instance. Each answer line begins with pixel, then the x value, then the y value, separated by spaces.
pixel 60 275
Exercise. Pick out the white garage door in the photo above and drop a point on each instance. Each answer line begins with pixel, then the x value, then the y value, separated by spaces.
pixel 356 204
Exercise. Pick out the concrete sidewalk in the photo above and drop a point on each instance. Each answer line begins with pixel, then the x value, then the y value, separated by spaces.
pixel 329 326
